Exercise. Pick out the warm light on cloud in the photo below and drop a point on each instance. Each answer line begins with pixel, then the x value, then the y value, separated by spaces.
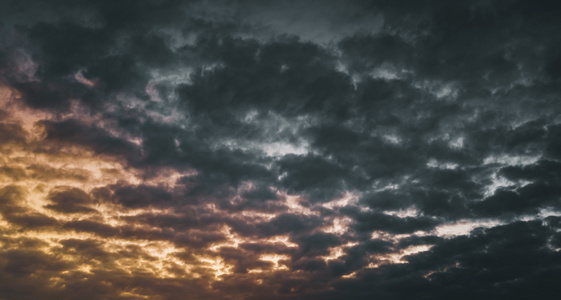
pixel 248 150
pixel 83 80
pixel 397 258
pixel 276 259
pixel 217 265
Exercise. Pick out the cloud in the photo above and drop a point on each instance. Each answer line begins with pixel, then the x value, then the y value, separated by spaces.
pixel 310 150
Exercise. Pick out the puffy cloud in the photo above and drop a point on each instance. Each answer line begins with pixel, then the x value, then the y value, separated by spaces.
pixel 250 150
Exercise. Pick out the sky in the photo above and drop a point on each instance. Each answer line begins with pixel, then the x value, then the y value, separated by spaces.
pixel 165 149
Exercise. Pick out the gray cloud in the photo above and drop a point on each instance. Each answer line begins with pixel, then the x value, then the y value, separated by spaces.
pixel 309 150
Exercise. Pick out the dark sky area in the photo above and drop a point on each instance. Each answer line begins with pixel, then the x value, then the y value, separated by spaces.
pixel 295 150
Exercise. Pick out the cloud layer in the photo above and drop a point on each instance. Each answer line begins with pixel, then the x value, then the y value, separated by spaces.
pixel 268 150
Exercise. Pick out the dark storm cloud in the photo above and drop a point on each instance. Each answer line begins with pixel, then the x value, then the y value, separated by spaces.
pixel 393 224
pixel 463 267
pixel 340 136
pixel 543 171
pixel 289 223
pixel 140 196
pixel 12 211
pixel 76 132
pixel 312 174
pixel 11 133
pixel 316 244
pixel 69 200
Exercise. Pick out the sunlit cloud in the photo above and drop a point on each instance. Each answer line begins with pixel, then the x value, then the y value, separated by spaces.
pixel 239 150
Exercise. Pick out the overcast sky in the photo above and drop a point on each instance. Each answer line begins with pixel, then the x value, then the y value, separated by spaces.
pixel 252 150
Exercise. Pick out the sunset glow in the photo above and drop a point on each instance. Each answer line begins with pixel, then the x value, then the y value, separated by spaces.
pixel 280 150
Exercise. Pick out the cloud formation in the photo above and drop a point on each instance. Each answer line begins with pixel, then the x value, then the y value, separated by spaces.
pixel 267 150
